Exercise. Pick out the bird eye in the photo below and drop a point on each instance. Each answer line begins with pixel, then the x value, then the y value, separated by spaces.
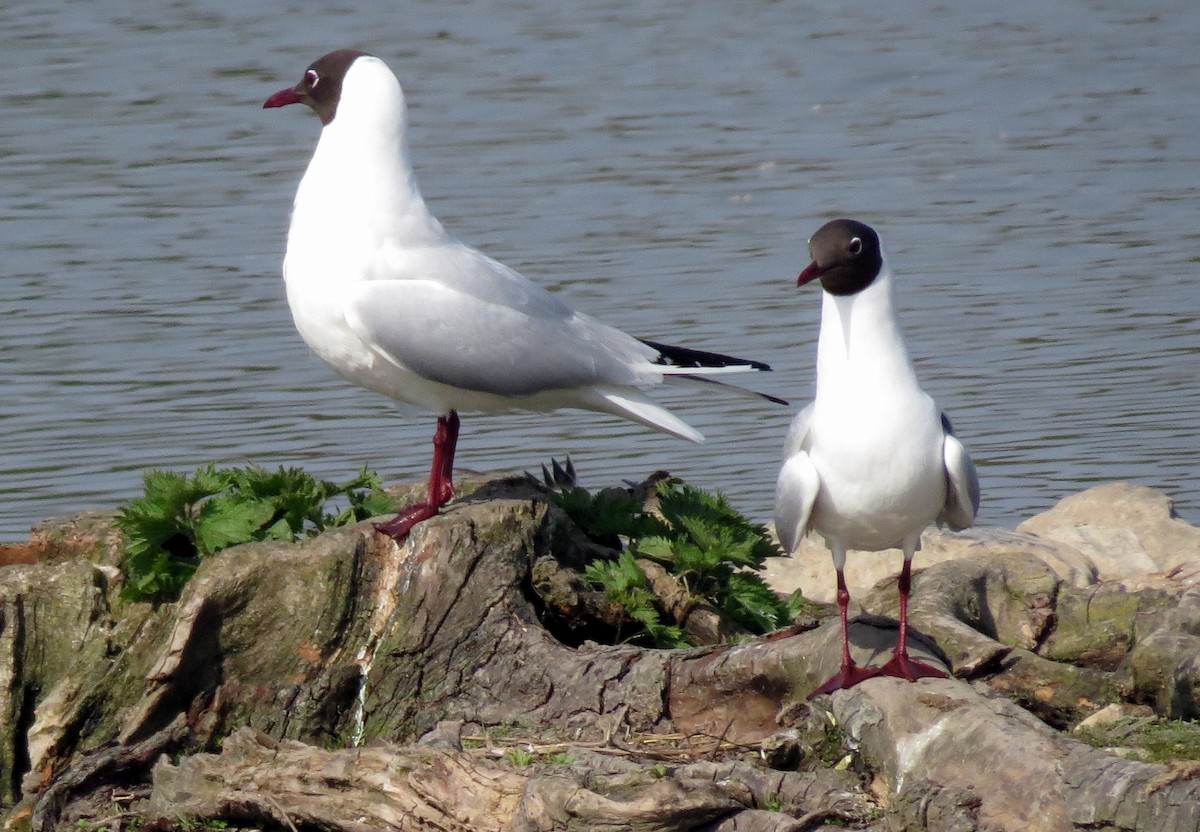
pixel 855 245
pixel 311 78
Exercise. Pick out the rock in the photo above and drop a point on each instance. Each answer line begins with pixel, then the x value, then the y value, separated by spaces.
pixel 1112 531
pixel 1163 667
pixel 1122 529
pixel 811 569
pixel 12 554
pixel 91 535
pixel 1110 715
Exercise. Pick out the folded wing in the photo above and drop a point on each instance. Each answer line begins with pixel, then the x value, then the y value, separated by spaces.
pixel 962 483
pixel 798 484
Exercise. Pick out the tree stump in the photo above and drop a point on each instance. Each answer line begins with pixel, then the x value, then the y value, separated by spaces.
pixel 347 683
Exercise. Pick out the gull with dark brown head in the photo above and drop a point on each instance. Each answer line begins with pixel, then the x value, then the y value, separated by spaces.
pixel 871 462
pixel 393 303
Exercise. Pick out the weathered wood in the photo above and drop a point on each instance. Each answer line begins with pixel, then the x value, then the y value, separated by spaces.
pixel 105 768
pixel 256 779
pixel 942 747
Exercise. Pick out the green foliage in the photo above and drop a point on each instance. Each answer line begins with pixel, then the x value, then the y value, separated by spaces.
pixel 797 605
pixel 625 584
pixel 181 519
pixel 709 519
pixel 713 549
pixel 520 757
pixel 700 539
pixel 607 515
pixel 746 598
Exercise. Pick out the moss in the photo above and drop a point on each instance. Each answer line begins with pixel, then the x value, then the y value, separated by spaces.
pixel 829 748
pixel 1156 741
pixel 1093 630
pixel 1170 741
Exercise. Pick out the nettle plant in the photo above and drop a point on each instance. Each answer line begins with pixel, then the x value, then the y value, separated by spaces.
pixel 713 551
pixel 180 519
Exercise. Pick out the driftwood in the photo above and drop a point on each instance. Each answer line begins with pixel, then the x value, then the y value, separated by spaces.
pixel 347 683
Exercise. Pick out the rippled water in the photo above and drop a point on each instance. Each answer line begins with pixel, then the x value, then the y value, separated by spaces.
pixel 1033 169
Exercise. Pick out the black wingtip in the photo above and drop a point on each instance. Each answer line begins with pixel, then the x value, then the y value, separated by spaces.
pixel 685 357
pixel 742 390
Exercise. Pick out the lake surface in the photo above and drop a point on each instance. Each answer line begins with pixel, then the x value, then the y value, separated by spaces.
pixel 1034 169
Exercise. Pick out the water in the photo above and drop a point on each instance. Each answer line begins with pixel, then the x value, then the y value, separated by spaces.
pixel 1033 169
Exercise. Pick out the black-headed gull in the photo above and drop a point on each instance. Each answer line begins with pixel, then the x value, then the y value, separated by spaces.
pixel 392 302
pixel 871 462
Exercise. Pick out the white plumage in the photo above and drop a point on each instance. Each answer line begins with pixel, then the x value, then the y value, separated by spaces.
pixel 871 462
pixel 381 292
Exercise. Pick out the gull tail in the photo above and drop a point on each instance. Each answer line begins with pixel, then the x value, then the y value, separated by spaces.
pixel 699 366
pixel 645 412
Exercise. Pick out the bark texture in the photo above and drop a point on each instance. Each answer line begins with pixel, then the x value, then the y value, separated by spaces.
pixel 346 683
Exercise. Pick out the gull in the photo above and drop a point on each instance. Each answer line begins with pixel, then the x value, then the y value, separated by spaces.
pixel 871 462
pixel 381 292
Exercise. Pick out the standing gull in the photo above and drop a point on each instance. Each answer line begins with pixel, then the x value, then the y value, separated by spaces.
pixel 871 461
pixel 392 302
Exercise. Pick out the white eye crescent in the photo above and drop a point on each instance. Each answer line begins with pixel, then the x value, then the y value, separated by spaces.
pixel 855 245
pixel 312 78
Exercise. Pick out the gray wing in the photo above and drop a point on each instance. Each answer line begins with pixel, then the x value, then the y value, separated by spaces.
pixel 477 325
pixel 461 268
pixel 962 483
pixel 798 484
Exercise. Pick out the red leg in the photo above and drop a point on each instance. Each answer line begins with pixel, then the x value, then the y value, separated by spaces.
pixel 441 481
pixel 900 665
pixel 445 442
pixel 850 674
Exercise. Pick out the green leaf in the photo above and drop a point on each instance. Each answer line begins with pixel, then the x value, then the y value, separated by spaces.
pixel 700 539
pixel 698 512
pixel 753 604
pixel 657 548
pixel 607 516
pixel 281 529
pixel 616 576
pixel 231 519
pixel 663 635
pixel 796 605
pixel 624 583
pixel 364 504
pixel 181 518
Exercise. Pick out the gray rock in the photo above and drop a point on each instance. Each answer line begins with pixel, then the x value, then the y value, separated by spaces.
pixel 1114 531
